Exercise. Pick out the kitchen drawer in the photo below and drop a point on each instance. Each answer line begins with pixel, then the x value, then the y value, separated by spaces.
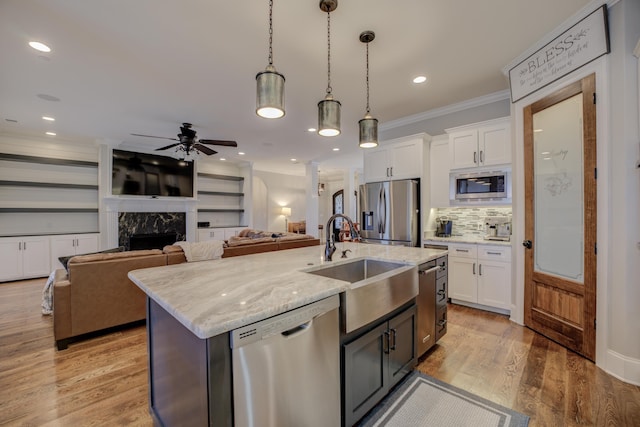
pixel 441 321
pixel 441 291
pixel 463 251
pixel 494 253
pixel 442 263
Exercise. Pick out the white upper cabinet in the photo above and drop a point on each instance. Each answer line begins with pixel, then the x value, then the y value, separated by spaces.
pixel 439 171
pixel 480 144
pixel 402 159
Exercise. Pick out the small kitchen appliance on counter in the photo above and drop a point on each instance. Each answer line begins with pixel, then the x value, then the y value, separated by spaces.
pixel 443 227
pixel 497 228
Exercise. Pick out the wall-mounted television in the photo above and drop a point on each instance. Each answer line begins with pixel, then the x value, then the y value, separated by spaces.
pixel 143 174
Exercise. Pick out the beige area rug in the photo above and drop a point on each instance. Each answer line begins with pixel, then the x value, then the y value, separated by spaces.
pixel 421 400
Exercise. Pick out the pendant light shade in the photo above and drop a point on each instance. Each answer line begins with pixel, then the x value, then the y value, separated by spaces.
pixel 368 132
pixel 328 108
pixel 270 83
pixel 329 117
pixel 270 93
pixel 368 126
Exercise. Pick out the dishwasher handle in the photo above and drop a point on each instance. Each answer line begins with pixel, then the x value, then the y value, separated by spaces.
pixel 296 330
pixel 432 269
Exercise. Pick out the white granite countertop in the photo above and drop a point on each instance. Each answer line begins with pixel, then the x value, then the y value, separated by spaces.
pixel 213 297
pixel 467 239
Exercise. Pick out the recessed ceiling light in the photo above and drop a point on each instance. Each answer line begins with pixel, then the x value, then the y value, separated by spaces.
pixel 294 160
pixel 40 46
pixel 222 159
pixel 336 149
pixel 49 119
pixel 312 130
pixel 51 133
pixel 241 153
pixel 420 79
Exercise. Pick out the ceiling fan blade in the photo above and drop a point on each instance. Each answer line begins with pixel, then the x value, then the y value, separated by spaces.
pixel 168 146
pixel 206 150
pixel 218 142
pixel 159 137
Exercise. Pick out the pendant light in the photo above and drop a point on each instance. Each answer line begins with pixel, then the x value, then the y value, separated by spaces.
pixel 329 108
pixel 368 125
pixel 270 83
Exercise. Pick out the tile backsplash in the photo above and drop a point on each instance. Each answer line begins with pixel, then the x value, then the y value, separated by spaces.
pixel 470 221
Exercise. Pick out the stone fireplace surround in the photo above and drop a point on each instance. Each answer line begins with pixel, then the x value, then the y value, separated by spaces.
pixel 155 215
pixel 150 223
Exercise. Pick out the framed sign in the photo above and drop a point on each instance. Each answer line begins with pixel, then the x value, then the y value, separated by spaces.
pixel 579 45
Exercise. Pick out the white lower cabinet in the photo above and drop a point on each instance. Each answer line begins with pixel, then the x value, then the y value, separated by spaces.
pixel 480 274
pixel 72 244
pixel 24 257
pixel 205 234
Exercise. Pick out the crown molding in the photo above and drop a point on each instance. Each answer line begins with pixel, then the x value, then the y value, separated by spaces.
pixel 453 108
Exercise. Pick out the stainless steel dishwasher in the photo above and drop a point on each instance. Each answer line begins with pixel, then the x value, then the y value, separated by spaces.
pixel 286 369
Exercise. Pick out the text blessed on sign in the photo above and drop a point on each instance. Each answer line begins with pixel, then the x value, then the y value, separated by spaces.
pixel 579 45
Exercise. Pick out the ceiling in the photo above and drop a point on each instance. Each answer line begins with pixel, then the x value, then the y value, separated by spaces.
pixel 120 67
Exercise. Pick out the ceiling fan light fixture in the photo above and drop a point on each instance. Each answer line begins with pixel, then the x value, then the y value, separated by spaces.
pixel 270 83
pixel 328 108
pixel 368 125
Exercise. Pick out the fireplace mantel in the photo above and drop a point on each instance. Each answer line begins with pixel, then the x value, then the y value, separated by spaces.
pixel 114 205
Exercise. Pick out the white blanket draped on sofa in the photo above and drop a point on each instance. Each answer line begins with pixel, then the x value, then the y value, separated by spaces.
pixel 202 251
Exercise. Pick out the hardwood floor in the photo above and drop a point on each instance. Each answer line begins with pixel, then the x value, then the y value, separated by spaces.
pixel 103 381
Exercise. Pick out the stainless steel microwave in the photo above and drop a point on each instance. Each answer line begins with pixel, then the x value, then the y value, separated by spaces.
pixel 487 186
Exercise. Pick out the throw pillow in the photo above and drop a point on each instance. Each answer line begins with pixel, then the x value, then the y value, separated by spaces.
pixel 64 260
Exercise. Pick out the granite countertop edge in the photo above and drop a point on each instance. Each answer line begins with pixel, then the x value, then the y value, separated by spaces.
pixel 213 297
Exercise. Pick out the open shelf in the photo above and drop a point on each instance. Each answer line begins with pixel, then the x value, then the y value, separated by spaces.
pixel 47 185
pixel 221 193
pixel 223 177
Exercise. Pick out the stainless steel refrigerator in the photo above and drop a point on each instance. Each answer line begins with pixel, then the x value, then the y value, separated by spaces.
pixel 389 212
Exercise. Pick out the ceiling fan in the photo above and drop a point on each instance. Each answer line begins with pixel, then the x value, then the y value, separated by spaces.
pixel 189 144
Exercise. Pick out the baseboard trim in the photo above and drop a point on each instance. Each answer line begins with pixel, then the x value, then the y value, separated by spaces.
pixel 624 368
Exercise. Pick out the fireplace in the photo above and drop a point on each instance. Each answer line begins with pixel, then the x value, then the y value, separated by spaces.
pixel 151 241
pixel 150 230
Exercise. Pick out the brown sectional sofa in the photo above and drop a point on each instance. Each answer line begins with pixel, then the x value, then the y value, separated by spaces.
pixel 96 293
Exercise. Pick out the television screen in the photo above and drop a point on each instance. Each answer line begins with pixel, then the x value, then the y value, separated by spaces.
pixel 144 174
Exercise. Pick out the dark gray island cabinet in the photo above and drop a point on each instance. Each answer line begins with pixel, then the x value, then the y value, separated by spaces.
pixel 262 342
pixel 190 379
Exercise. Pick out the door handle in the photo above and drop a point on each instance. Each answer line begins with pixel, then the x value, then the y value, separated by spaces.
pixel 24 245
pixel 393 335
pixel 425 272
pixel 475 157
pixel 474 268
pixel 527 244
pixel 19 246
pixel 479 269
pixel 391 171
pixel 481 157
pixel 385 339
pixel 387 171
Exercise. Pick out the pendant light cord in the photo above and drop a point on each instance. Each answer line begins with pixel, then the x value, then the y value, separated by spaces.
pixel 329 53
pixel 368 110
pixel 270 32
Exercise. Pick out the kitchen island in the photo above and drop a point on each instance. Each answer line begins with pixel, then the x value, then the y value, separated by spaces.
pixel 194 307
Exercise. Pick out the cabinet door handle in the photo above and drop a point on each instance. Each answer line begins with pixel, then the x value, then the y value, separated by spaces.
pixel 391 171
pixel 462 250
pixel 385 340
pixel 494 253
pixel 24 245
pixel 19 246
pixel 474 268
pixel 475 157
pixel 479 269
pixel 481 157
pixel 393 336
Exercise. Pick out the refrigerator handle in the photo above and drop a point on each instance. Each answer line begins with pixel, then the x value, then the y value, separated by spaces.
pixel 378 211
pixel 383 217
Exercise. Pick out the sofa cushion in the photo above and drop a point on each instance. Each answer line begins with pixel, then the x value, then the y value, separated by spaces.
pixel 64 260
pixel 110 256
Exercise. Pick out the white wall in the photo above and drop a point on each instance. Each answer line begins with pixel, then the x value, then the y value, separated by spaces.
pixel 283 190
